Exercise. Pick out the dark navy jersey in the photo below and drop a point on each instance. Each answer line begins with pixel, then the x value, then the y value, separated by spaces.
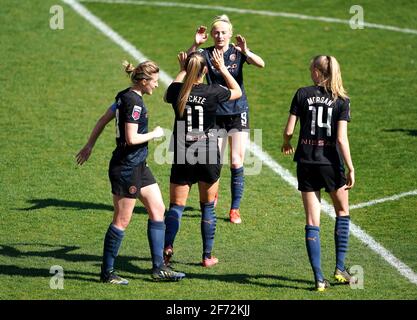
pixel 198 121
pixel 319 116
pixel 233 60
pixel 130 109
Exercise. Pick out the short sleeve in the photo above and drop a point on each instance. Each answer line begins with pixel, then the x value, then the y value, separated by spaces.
pixel 345 111
pixel 173 92
pixel 222 93
pixel 295 108
pixel 132 110
pixel 113 107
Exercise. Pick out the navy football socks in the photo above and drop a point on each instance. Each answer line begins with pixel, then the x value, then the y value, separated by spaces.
pixel 112 242
pixel 156 235
pixel 341 239
pixel 172 222
pixel 312 235
pixel 236 185
pixel 208 227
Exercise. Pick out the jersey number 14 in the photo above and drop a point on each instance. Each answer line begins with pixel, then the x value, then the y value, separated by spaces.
pixel 319 120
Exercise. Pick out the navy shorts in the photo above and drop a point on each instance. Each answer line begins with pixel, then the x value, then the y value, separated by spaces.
pixel 189 174
pixel 314 177
pixel 238 121
pixel 126 181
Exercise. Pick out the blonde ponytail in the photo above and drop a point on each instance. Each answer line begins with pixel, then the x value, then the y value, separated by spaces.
pixel 336 82
pixel 330 75
pixel 194 65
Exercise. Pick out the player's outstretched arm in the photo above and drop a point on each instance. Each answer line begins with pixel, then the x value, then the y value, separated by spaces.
pixel 182 56
pixel 252 58
pixel 83 155
pixel 199 38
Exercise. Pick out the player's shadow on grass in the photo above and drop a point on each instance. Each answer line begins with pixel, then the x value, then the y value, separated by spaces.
pixel 38 204
pixel 123 263
pixel 410 132
pixel 11 270
pixel 242 278
pixel 262 280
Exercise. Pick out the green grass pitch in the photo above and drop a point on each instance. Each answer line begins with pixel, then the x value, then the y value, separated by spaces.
pixel 55 84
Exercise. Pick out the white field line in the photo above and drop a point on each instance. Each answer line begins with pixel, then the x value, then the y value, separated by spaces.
pixel 263 156
pixel 249 11
pixel 376 201
pixel 114 36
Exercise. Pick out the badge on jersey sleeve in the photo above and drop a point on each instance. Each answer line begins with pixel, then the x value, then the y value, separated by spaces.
pixel 136 112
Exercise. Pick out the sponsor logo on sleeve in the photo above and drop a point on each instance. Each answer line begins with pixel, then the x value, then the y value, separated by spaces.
pixel 136 112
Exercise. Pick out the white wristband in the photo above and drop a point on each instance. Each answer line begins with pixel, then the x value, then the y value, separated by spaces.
pixel 249 54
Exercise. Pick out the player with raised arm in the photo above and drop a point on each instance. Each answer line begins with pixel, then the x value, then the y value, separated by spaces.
pixel 232 116
pixel 196 150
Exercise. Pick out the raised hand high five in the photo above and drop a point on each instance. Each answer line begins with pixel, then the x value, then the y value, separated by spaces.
pixel 241 44
pixel 201 35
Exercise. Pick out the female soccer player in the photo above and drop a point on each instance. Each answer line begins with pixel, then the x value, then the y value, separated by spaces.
pixel 130 175
pixel 196 150
pixel 232 116
pixel 322 151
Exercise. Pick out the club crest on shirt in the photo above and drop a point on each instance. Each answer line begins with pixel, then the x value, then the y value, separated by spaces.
pixel 136 112
pixel 232 57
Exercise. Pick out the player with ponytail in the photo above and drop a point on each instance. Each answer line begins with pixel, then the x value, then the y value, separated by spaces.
pixel 196 151
pixel 322 152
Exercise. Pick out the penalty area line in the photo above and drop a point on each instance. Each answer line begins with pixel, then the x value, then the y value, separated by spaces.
pixel 377 201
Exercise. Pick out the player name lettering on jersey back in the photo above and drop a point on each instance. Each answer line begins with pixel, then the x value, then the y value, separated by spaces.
pixel 196 99
pixel 322 100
